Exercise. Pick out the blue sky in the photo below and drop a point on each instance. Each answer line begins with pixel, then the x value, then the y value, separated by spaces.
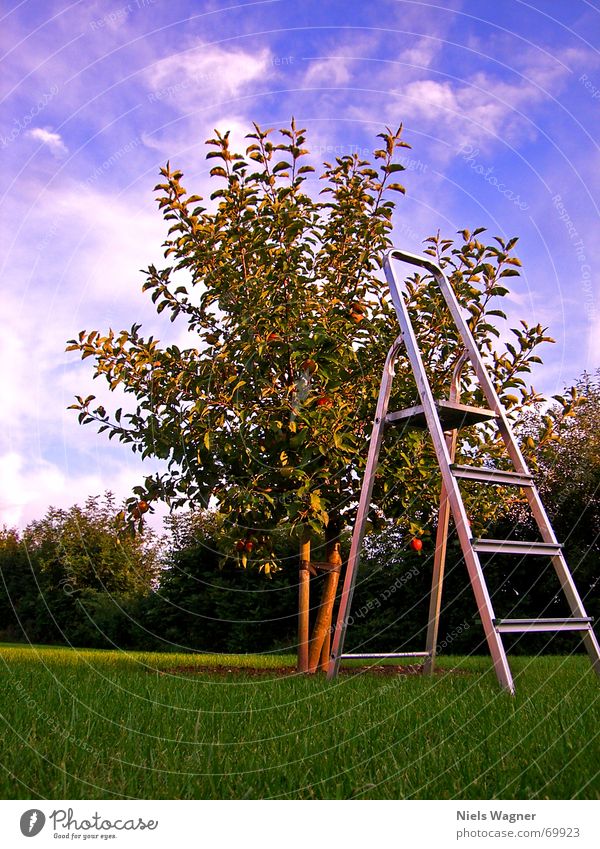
pixel 500 102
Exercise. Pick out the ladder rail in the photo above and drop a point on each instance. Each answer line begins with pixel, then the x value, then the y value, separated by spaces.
pixel 483 377
pixel 467 337
pixel 468 340
pixel 461 522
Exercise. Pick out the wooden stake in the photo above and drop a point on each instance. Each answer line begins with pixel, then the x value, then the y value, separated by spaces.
pixel 439 563
pixel 303 605
pixel 441 540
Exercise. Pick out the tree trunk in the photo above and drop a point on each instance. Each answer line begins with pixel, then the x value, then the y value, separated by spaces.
pixel 325 652
pixel 322 627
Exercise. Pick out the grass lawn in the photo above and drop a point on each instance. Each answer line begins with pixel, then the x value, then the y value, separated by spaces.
pixel 94 724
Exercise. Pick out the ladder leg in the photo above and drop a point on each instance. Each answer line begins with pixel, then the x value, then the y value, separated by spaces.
pixel 486 612
pixel 484 602
pixel 593 649
pixel 577 609
pixel 362 511
pixel 560 567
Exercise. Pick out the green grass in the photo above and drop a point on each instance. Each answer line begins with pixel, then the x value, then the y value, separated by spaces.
pixel 102 724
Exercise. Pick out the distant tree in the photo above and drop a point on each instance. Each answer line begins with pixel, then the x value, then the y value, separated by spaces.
pixel 270 412
pixel 19 588
pixel 569 465
pixel 76 576
pixel 205 603
pixel 90 548
pixel 563 443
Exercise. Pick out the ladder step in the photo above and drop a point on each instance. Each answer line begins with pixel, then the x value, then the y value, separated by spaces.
pixel 509 546
pixel 452 415
pixel 374 656
pixel 520 626
pixel 498 476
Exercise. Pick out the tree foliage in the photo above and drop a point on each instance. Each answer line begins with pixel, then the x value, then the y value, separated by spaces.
pixel 76 576
pixel 269 412
pixel 568 465
pixel 19 587
pixel 203 603
pixel 90 548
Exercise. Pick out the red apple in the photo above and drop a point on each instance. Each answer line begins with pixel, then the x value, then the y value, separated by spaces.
pixel 240 545
pixel 357 312
pixel 140 508
pixel 249 545
pixel 310 366
pixel 416 544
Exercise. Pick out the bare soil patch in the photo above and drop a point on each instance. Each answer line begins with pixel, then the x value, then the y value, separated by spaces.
pixel 382 670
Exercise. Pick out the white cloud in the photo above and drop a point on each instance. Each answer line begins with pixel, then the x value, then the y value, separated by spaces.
pixel 28 488
pixel 484 110
pixel 482 107
pixel 175 145
pixel 428 94
pixel 53 141
pixel 333 71
pixel 213 70
pixel 591 311
pixel 422 52
pixel 13 398
pixel 202 84
pixel 85 245
pixel 21 489
pixel 85 276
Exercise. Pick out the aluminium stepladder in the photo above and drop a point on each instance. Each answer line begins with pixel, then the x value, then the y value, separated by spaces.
pixel 443 418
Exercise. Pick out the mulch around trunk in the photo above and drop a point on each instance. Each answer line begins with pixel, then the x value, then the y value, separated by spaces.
pixel 283 671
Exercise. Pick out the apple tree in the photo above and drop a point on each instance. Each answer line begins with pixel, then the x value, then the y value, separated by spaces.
pixel 267 413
